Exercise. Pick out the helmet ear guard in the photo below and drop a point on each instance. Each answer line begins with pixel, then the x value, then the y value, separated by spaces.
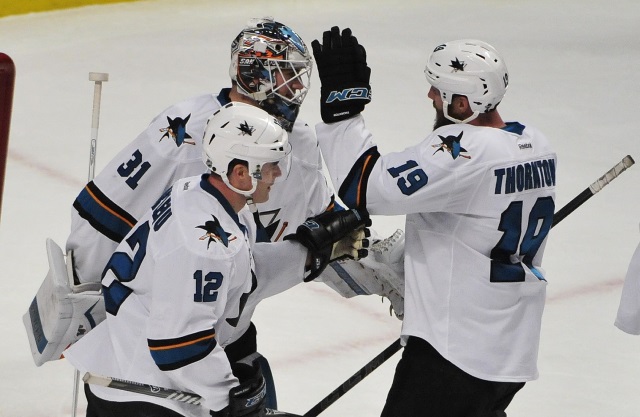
pixel 240 131
pixel 470 68
pixel 269 61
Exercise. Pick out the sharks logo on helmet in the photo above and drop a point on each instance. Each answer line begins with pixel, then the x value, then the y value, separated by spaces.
pixel 245 129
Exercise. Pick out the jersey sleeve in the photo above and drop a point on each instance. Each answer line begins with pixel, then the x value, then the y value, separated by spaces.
pixel 186 316
pixel 319 190
pixel 279 266
pixel 397 183
pixel 167 150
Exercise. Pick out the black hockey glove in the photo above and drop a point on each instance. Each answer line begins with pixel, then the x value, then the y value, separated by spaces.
pixel 248 398
pixel 331 236
pixel 344 75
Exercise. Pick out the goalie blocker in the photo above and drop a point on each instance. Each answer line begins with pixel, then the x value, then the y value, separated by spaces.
pixel 61 312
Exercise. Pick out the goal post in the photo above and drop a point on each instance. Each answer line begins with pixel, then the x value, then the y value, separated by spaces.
pixel 7 81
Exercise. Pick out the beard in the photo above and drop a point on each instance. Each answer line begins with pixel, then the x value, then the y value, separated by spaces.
pixel 440 120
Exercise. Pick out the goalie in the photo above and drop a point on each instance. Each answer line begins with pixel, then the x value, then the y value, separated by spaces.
pixel 173 299
pixel 68 304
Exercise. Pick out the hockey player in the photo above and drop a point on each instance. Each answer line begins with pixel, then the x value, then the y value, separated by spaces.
pixel 176 285
pixel 628 316
pixel 478 193
pixel 270 68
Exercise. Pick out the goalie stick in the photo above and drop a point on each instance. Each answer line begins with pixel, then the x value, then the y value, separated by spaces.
pixel 152 390
pixel 98 78
pixel 394 347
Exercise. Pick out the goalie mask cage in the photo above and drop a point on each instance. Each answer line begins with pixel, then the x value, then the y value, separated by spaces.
pixel 7 80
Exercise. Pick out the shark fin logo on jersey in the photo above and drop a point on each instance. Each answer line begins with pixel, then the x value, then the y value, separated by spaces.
pixel 245 129
pixel 215 233
pixel 177 130
pixel 457 65
pixel 272 224
pixel 452 145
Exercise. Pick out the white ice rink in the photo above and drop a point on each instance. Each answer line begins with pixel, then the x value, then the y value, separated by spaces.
pixel 574 75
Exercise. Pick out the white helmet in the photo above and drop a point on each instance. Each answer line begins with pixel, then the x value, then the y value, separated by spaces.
pixel 469 68
pixel 245 132
pixel 262 50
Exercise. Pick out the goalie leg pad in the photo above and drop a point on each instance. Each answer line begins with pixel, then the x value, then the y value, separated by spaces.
pixel 61 312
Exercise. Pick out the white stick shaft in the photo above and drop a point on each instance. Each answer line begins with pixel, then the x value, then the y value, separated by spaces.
pixel 97 78
pixel 95 121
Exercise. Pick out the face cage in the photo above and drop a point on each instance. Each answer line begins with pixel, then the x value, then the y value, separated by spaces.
pixel 257 78
pixel 300 72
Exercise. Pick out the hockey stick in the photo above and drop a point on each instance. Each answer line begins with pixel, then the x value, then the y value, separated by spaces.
pixel 591 190
pixel 97 78
pixel 372 365
pixel 354 379
pixel 152 390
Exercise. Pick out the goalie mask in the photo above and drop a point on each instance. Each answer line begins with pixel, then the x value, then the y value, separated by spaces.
pixel 240 131
pixel 271 64
pixel 468 68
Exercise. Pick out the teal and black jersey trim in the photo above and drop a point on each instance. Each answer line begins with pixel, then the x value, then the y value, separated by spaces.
pixel 103 214
pixel 514 127
pixel 334 205
pixel 114 295
pixel 170 354
pixel 353 190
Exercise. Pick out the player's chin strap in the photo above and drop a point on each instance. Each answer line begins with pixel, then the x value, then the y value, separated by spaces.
pixel 252 206
pixel 246 193
pixel 445 109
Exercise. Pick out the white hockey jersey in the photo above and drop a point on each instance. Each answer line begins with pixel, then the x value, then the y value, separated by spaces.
pixel 479 203
pixel 168 150
pixel 628 316
pixel 174 290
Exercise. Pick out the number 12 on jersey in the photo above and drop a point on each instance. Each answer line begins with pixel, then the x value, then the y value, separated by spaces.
pixel 207 288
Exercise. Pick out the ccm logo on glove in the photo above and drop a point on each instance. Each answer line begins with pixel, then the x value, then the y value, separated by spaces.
pixel 349 94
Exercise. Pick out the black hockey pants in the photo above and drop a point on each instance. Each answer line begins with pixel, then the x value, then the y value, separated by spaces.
pixel 427 385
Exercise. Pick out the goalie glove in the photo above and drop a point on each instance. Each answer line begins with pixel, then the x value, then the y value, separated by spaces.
pixel 333 235
pixel 344 75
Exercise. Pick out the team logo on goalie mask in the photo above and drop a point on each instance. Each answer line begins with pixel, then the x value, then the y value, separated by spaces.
pixel 215 233
pixel 177 130
pixel 452 145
